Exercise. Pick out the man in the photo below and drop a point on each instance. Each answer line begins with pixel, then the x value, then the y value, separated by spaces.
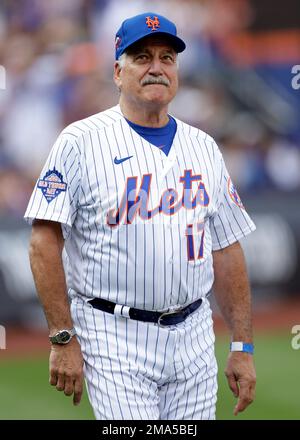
pixel 148 217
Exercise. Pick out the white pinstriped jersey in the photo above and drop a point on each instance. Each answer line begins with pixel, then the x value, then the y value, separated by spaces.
pixel 139 226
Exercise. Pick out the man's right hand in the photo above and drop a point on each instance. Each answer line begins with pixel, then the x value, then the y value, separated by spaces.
pixel 66 369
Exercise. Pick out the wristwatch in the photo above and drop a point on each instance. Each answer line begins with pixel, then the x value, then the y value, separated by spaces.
pixel 63 336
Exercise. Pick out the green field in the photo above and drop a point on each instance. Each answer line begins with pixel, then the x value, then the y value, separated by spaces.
pixel 25 393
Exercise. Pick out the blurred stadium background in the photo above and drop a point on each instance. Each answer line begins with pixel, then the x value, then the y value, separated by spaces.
pixel 238 83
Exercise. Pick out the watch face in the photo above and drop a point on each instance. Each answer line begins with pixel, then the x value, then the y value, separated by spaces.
pixel 64 336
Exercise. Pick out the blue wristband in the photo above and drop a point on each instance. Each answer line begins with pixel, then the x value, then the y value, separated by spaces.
pixel 242 346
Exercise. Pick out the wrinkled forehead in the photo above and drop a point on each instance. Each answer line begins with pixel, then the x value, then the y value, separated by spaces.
pixel 152 42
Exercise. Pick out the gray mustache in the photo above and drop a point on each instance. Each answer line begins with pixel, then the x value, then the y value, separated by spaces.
pixel 148 81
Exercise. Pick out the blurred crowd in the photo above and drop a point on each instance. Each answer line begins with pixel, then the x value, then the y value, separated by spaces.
pixel 58 57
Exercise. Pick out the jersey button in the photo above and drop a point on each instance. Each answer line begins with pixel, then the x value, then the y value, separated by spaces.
pixel 171 260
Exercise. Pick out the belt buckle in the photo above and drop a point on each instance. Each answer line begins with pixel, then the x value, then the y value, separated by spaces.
pixel 173 310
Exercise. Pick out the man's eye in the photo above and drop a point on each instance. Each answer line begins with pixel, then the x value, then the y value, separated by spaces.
pixel 142 57
pixel 168 58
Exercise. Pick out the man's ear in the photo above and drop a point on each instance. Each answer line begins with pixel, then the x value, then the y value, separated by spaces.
pixel 117 71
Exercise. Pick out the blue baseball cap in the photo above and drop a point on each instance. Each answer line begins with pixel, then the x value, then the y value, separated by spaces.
pixel 135 28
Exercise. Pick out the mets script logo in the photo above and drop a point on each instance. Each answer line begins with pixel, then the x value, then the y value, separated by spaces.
pixel 234 194
pixel 134 200
pixel 52 184
pixel 154 23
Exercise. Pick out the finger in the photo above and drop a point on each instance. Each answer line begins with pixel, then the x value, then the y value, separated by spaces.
pixel 245 398
pixel 252 393
pixel 60 382
pixel 69 386
pixel 233 385
pixel 53 378
pixel 78 389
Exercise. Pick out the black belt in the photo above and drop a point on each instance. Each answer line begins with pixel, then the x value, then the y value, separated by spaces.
pixel 171 317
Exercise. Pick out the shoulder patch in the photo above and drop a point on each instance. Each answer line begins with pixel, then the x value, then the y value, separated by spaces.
pixel 234 194
pixel 52 184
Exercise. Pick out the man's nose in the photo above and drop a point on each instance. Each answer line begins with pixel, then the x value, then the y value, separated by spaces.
pixel 155 67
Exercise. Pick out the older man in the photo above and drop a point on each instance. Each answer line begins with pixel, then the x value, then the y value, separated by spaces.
pixel 149 218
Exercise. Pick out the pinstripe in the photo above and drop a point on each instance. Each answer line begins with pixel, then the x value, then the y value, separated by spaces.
pixel 185 380
pixel 187 263
pixel 67 133
pixel 196 375
pixel 108 143
pixel 90 261
pixel 141 142
pixel 158 188
pixel 111 369
pixel 201 350
pixel 117 288
pixel 172 267
pixel 98 376
pixel 155 366
pixel 86 341
pixel 138 348
pixel 153 235
pixel 131 375
pixel 168 404
pixel 35 192
pixel 184 371
pixel 180 256
pixel 234 216
pixel 188 404
pixel 207 174
pixel 222 224
pixel 98 338
pixel 125 387
pixel 118 260
pixel 213 228
pixel 65 193
pixel 89 226
pixel 194 271
pixel 102 122
pixel 204 351
pixel 97 231
pixel 211 165
pixel 145 363
pixel 127 152
pixel 136 238
pixel 104 230
pixel 83 253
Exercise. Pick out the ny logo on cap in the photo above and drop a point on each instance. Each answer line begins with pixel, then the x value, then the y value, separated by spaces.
pixel 118 42
pixel 154 23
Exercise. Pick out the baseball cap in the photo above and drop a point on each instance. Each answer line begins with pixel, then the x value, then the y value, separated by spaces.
pixel 135 28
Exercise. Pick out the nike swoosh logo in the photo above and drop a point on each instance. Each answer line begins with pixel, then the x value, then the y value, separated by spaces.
pixel 118 161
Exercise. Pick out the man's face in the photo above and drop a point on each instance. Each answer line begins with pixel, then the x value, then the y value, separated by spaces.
pixel 150 73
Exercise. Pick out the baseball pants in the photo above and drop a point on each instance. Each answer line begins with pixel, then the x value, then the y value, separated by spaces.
pixel 139 371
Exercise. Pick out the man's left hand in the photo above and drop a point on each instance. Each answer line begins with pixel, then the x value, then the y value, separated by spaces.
pixel 240 373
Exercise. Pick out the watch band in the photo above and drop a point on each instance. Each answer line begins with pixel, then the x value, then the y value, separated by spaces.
pixel 242 346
